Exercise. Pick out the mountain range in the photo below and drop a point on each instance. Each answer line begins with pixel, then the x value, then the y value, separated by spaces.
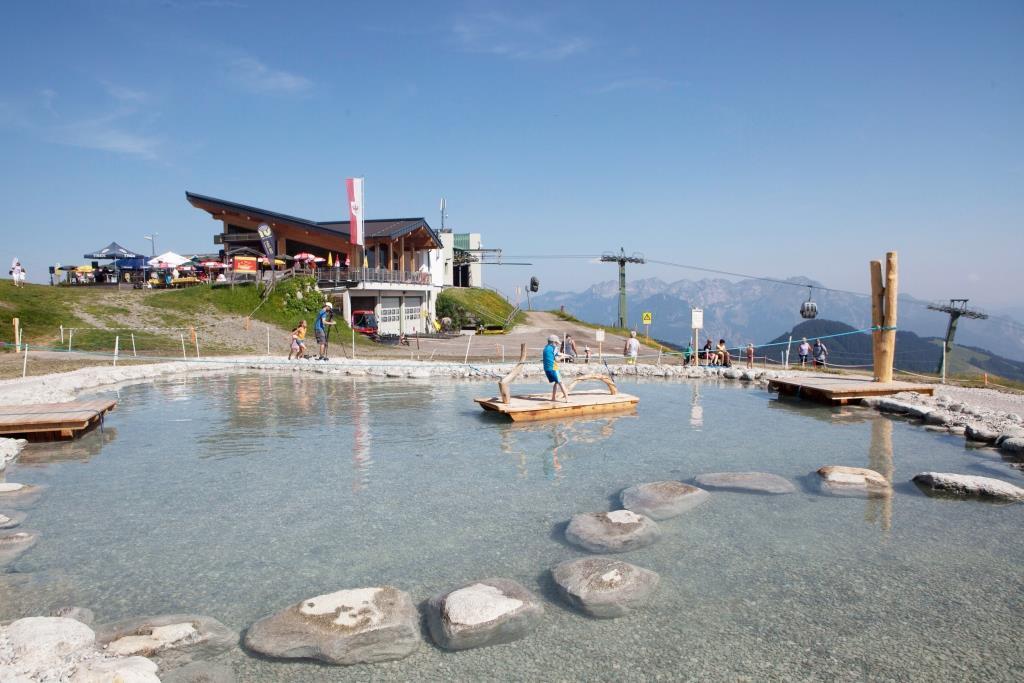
pixel 759 310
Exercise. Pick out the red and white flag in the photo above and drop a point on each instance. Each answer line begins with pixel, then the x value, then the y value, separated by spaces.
pixel 355 209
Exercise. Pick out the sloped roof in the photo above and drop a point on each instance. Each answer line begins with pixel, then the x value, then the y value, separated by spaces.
pixel 390 228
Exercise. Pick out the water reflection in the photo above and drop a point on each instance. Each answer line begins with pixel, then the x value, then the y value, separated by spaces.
pixel 516 440
pixel 362 439
pixel 80 450
pixel 696 409
pixel 880 459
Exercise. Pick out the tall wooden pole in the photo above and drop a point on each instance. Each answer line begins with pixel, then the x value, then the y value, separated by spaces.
pixel 877 303
pixel 889 317
pixel 883 315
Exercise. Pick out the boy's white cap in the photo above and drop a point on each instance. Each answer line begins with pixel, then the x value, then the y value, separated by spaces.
pixel 553 338
pixel 329 305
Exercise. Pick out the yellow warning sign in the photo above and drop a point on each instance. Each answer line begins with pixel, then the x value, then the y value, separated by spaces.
pixel 647 318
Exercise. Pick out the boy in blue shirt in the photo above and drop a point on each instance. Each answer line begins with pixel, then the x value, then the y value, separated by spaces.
pixel 550 358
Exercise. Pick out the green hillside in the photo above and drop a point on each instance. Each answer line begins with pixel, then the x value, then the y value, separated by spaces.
pixel 473 306
pixel 43 309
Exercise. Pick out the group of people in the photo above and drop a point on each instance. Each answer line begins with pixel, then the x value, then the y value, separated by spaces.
pixel 818 353
pixel 324 319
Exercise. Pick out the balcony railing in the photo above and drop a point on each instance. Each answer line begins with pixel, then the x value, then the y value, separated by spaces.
pixel 340 277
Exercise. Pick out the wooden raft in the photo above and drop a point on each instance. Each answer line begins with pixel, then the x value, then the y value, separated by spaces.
pixel 51 421
pixel 842 390
pixel 529 407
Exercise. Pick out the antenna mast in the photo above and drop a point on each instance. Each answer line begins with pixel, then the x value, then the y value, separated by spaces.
pixel 622 260
pixel 956 309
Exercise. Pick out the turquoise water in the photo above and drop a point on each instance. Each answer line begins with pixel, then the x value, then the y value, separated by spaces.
pixel 235 496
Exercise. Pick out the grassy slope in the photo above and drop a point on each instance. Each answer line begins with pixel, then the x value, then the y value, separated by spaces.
pixel 43 309
pixel 485 305
pixel 621 331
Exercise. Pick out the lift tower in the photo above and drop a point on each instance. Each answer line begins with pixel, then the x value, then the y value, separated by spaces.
pixel 622 260
pixel 956 309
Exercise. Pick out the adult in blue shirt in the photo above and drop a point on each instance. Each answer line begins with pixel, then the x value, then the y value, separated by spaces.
pixel 550 358
pixel 323 318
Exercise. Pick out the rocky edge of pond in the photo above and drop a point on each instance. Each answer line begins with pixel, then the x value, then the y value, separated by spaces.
pixel 64 649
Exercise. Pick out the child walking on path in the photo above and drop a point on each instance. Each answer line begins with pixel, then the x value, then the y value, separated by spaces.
pixel 298 346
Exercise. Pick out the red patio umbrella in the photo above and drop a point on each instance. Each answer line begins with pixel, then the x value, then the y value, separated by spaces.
pixel 304 256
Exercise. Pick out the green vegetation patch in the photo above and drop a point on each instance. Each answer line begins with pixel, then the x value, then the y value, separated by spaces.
pixel 475 307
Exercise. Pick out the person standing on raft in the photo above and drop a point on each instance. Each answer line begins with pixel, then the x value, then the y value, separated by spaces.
pixel 550 359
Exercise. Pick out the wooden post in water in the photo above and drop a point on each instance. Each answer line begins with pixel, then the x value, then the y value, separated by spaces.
pixel 883 316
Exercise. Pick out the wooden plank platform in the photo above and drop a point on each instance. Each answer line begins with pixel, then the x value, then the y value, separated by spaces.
pixel 529 407
pixel 50 421
pixel 842 390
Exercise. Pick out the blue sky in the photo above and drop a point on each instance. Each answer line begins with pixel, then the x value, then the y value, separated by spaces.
pixel 777 139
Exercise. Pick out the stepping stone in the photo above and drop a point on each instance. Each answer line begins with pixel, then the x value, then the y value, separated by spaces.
pixel 612 532
pixel 968 485
pixel 355 626
pixel 840 480
pixel 11 519
pixel 663 499
pixel 13 544
pixel 483 613
pixel 173 640
pixel 746 482
pixel 12 493
pixel 604 587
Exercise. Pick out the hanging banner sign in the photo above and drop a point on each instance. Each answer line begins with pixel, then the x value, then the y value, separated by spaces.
pixel 266 239
pixel 697 318
pixel 355 210
pixel 245 264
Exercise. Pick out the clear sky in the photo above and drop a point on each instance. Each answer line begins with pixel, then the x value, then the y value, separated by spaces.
pixel 778 139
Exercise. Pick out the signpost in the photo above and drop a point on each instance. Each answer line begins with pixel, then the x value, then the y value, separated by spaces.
pixel 599 336
pixel 697 324
pixel 647 318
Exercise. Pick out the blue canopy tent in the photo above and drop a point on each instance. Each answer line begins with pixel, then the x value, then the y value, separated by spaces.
pixel 113 251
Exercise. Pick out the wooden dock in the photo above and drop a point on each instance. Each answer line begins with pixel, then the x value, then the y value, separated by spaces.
pixel 529 407
pixel 842 390
pixel 52 421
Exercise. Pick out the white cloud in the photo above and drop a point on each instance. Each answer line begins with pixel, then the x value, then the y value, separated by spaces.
pixel 519 37
pixel 124 94
pixel 107 133
pixel 255 76
pixel 637 83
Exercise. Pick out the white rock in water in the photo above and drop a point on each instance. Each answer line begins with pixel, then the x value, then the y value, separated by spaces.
pixel 478 604
pixel 844 481
pixel 662 499
pixel 487 612
pixel 618 531
pixel 128 670
pixel 42 642
pixel 969 485
pixel 368 625
pixel 604 587
pixel 161 637
pixel 10 487
pixel 172 639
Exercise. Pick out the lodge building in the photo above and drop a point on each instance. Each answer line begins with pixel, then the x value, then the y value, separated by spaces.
pixel 406 264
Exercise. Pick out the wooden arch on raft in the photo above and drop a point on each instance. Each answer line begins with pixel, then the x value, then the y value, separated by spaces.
pixel 506 381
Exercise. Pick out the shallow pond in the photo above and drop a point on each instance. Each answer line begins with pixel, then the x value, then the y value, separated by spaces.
pixel 235 496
